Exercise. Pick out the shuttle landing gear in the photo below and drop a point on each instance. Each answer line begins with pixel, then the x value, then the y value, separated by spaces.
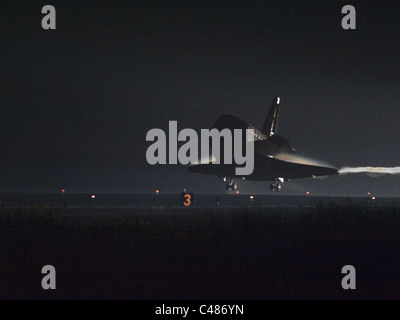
pixel 231 185
pixel 276 186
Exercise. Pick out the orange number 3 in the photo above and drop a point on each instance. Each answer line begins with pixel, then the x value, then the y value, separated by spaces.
pixel 188 200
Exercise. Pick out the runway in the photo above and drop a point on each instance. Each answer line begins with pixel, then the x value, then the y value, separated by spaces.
pixel 223 253
pixel 172 200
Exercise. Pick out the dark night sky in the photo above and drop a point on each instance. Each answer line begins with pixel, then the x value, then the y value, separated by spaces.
pixel 77 102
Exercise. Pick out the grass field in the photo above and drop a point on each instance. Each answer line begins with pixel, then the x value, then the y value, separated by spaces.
pixel 195 253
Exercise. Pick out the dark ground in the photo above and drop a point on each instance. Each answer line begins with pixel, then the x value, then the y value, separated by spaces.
pixel 201 253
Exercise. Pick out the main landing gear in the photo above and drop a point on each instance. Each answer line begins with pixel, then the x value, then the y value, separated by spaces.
pixel 276 186
pixel 230 185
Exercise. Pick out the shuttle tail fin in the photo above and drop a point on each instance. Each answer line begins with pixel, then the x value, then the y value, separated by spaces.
pixel 271 122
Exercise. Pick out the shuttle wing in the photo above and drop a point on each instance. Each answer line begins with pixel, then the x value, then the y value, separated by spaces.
pixel 269 168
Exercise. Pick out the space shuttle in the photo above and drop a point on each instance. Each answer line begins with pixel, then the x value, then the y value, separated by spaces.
pixel 275 159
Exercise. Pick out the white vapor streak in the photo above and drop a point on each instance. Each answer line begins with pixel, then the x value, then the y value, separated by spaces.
pixel 373 171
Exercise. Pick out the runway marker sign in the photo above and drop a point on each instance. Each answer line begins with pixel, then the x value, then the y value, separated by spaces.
pixel 187 199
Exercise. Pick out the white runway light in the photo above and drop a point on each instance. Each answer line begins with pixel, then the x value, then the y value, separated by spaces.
pixel 372 171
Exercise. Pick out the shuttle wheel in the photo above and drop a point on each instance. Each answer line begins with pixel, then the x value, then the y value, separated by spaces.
pixel 231 185
pixel 276 186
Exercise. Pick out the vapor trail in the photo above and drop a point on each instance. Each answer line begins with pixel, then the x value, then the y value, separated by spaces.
pixel 372 171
